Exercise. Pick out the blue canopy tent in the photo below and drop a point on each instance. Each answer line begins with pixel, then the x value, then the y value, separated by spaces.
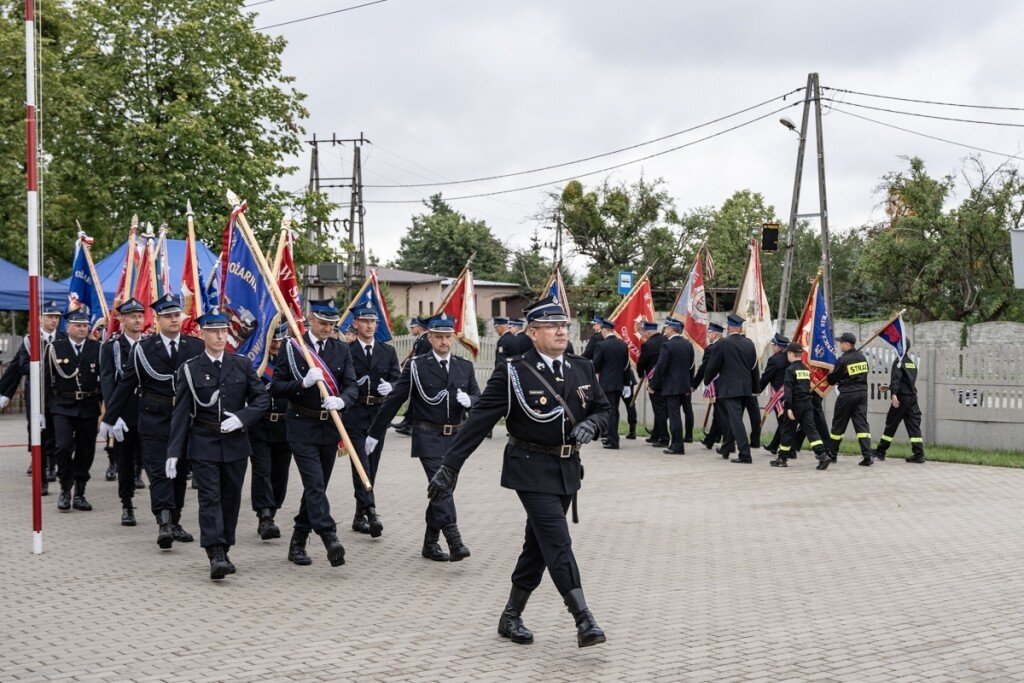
pixel 109 269
pixel 14 288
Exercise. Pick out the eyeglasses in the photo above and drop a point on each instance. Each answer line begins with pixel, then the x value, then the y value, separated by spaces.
pixel 551 326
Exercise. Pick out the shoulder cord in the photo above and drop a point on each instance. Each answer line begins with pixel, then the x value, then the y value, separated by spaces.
pixel 536 416
pixel 56 367
pixel 214 398
pixel 432 400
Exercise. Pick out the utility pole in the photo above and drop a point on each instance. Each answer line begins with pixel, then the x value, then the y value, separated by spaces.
pixel 826 261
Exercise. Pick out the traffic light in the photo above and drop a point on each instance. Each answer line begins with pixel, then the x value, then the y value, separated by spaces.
pixel 769 237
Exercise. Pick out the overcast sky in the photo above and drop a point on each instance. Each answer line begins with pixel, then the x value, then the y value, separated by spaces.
pixel 455 89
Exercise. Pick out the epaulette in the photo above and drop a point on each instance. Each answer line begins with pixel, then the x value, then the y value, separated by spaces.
pixel 422 355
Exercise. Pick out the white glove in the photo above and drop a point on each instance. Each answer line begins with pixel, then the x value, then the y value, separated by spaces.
pixel 4 400
pixel 312 377
pixel 119 429
pixel 105 430
pixel 371 444
pixel 384 388
pixel 627 392
pixel 171 468
pixel 463 398
pixel 42 422
pixel 334 403
pixel 231 424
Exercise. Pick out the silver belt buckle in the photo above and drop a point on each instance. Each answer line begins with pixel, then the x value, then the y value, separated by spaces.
pixel 79 395
pixel 566 450
pixel 324 414
pixel 448 430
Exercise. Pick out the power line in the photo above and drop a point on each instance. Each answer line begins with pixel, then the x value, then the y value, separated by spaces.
pixel 601 170
pixel 932 116
pixel 259 2
pixel 910 99
pixel 318 16
pixel 596 156
pixel 926 135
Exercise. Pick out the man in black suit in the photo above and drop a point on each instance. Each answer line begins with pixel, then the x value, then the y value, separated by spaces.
pixel 311 431
pixel 649 352
pixel 150 375
pixel 673 379
pixel 114 356
pixel 735 363
pixel 376 367
pixel 553 405
pixel 715 433
pixel 420 345
pixel 595 339
pixel 440 388
pixel 611 358
pixel 271 453
pixel 774 375
pixel 523 341
pixel 217 398
pixel 49 321
pixel 72 389
pixel 507 343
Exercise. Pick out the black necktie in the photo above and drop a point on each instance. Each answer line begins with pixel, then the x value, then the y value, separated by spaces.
pixel 444 367
pixel 320 347
pixel 174 350
pixel 369 354
pixel 78 350
pixel 556 370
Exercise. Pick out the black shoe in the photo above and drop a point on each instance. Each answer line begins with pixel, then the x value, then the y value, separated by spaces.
pixel 44 488
pixel 111 473
pixel 297 548
pixel 165 535
pixel 128 516
pixel 49 474
pixel 674 451
pixel 194 485
pixel 139 484
pixel 335 550
pixel 180 535
pixel 612 447
pixel 659 444
pixel 219 565
pixel 744 461
pixel 360 523
pixel 778 462
pixel 649 439
pixel 773 451
pixel 705 444
pixel 823 461
pixel 231 565
pixel 79 502
pixel 587 631
pixel 834 457
pixel 916 459
pixel 267 529
pixel 632 432
pixel 456 547
pixel 431 548
pixel 64 499
pixel 376 527
pixel 510 623
pixel 28 472
pixel 865 461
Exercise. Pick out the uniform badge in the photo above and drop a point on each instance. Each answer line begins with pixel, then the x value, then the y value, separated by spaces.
pixel 206 377
pixel 541 365
pixel 501 349
pixel 543 400
pixel 581 391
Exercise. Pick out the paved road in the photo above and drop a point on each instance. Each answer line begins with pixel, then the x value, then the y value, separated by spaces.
pixel 697 569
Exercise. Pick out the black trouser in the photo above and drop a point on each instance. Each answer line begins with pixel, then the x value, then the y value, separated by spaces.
pixel 732 424
pixel 547 544
pixel 909 413
pixel 612 434
pixel 315 463
pixel 781 423
pixel 164 493
pixel 673 404
pixel 270 465
pixel 440 512
pixel 717 430
pixel 220 498
pixel 852 405
pixel 364 499
pixel 76 447
pixel 687 404
pixel 804 414
pixel 754 413
pixel 659 432
pixel 820 423
pixel 630 408
pixel 127 452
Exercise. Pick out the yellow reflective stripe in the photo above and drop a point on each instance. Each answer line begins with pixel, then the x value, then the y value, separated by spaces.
pixel 863 435
pixel 910 366
pixel 836 437
pixel 856 368
pixel 916 439
pixel 803 374
pixel 784 448
pixel 815 443
pixel 886 437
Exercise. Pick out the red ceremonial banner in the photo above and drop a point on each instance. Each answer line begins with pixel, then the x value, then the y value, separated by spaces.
pixel 638 305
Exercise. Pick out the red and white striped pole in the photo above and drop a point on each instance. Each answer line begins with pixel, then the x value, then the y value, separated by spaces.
pixel 35 383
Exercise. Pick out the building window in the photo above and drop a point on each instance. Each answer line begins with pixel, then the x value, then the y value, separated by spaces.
pixel 421 308
pixel 495 308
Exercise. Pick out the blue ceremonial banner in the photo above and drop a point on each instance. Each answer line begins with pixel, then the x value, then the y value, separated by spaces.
pixel 369 297
pixel 82 291
pixel 247 302
pixel 822 351
pixel 895 335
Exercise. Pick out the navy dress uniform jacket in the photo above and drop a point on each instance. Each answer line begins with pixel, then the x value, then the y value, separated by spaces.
pixel 78 396
pixel 505 348
pixel 673 373
pixel 774 372
pixel 18 368
pixel 709 351
pixel 383 366
pixel 649 352
pixel 735 363
pixel 611 363
pixel 114 355
pixel 530 412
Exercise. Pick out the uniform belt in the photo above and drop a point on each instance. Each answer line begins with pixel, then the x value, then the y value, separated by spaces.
pixel 76 395
pixel 213 427
pixel 273 417
pixel 563 451
pixel 372 400
pixel 447 430
pixel 322 415
pixel 157 398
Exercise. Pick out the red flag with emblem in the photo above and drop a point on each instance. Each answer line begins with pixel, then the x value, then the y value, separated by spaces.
pixel 638 305
pixel 460 304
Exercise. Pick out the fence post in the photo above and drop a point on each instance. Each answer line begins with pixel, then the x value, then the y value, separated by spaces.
pixel 932 376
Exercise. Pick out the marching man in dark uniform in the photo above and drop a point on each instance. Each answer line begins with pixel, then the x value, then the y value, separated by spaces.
pixel 376 367
pixel 711 437
pixel 271 453
pixel 49 321
pixel 523 341
pixel 440 389
pixel 506 344
pixel 217 397
pixel 596 324
pixel 420 345
pixel 114 356
pixel 904 408
pixel 611 358
pixel 552 404
pixel 774 375
pixel 735 363
pixel 649 352
pixel 850 375
pixel 150 376
pixel 797 404
pixel 72 381
pixel 311 432
pixel 673 381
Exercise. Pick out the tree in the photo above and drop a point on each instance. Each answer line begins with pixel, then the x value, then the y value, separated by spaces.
pixel 442 240
pixel 528 266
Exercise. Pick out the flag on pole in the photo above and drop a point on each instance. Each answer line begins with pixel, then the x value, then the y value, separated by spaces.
pixel 370 297
pixel 126 281
pixel 752 302
pixel 814 333
pixel 636 306
pixel 193 304
pixel 161 264
pixel 84 290
pixel 288 283
pixel 460 304
pixel 555 288
pixel 691 306
pixel 895 335
pixel 145 282
pixel 246 301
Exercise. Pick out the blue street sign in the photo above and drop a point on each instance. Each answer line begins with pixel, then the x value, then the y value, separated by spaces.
pixel 625 282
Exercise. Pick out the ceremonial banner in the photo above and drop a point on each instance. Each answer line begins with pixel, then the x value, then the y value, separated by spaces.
pixel 814 333
pixel 752 302
pixel 369 296
pixel 288 283
pixel 460 304
pixel 636 306
pixel 126 282
pixel 145 283
pixel 83 289
pixel 247 302
pixel 690 306
pixel 895 335
pixel 555 288
pixel 192 299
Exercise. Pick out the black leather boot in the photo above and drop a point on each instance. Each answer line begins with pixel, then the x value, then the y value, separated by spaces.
pixel 44 487
pixel 917 459
pixel 823 460
pixel 335 550
pixel 297 548
pixel 219 567
pixel 587 631
pixel 632 431
pixel 127 513
pixel 359 523
pixel 456 547
pixel 79 502
pixel 64 499
pixel 231 565
pixel 50 474
pixel 111 473
pixel 431 548
pixel 267 529
pixel 180 535
pixel 165 536
pixel 139 484
pixel 376 527
pixel 510 624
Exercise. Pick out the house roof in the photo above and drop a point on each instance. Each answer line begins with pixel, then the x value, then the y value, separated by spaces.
pixel 407 277
pixel 480 283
